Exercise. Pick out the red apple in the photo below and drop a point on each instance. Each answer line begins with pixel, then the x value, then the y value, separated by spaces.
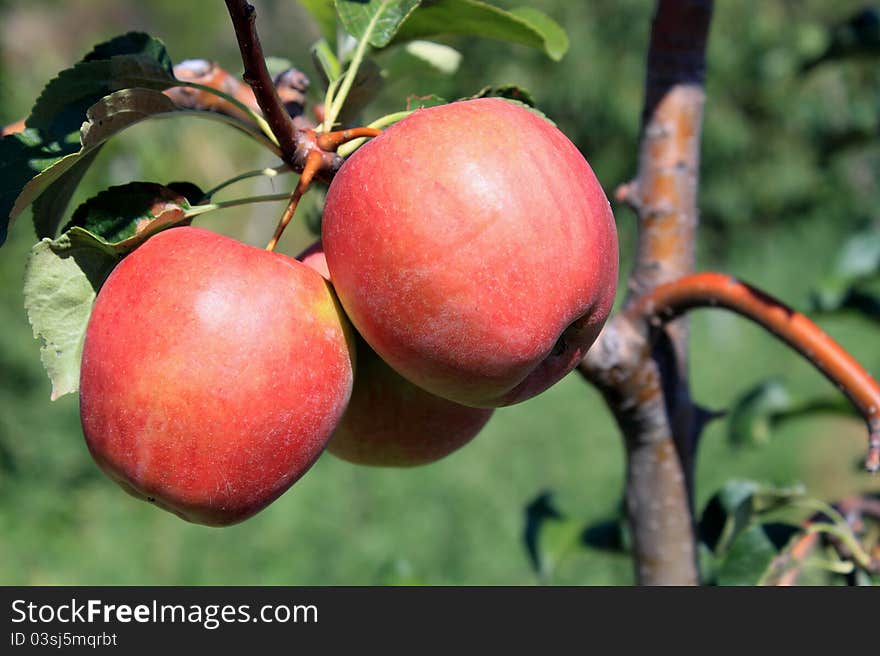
pixel 213 374
pixel 389 421
pixel 474 250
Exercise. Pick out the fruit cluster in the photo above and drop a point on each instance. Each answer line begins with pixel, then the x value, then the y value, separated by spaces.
pixel 468 261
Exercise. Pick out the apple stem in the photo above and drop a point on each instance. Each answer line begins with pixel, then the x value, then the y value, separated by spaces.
pixel 314 163
pixel 198 210
pixel 664 303
pixel 330 141
pixel 269 172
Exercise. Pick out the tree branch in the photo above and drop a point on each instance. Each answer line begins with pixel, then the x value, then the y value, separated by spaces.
pixel 646 384
pixel 257 76
pixel 667 302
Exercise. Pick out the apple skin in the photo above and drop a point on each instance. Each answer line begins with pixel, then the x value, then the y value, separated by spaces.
pixel 389 421
pixel 213 374
pixel 473 248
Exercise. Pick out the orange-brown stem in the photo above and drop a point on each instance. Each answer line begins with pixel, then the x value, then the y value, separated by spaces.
pixel 12 128
pixel 209 74
pixel 314 162
pixel 330 141
pixel 666 302
pixel 791 562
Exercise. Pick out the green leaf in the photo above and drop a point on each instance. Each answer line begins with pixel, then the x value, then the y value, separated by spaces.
pixel 64 101
pixel 326 62
pixel 609 535
pixel 857 262
pixel 736 506
pixel 49 208
pixel 524 26
pixel 132 43
pixel 866 578
pixel 858 36
pixel 53 127
pixel 555 39
pixel 134 60
pixel 367 84
pixel 507 91
pixel 22 157
pixel 375 20
pixel 109 116
pixel 324 13
pixel 190 191
pixel 549 535
pixel 748 558
pixel 752 419
pixel 124 216
pixel 512 94
pixel 860 256
pixel 764 407
pixel 62 278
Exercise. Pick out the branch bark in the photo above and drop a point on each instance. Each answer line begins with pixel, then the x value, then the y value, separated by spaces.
pixel 647 388
pixel 256 74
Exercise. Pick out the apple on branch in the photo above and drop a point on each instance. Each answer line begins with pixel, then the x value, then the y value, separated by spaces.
pixel 213 374
pixel 474 250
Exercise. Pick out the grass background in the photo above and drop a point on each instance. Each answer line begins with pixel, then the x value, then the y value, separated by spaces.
pixel 775 210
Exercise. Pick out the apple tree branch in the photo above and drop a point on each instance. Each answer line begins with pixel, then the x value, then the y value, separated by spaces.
pixel 646 385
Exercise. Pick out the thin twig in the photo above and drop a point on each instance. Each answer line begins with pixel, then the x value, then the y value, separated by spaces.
pixel 257 76
pixel 313 165
pixel 667 302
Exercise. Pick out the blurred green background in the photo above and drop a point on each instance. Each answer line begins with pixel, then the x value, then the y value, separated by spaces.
pixel 789 171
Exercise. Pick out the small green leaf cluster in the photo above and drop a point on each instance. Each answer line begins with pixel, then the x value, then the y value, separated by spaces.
pixel 750 533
